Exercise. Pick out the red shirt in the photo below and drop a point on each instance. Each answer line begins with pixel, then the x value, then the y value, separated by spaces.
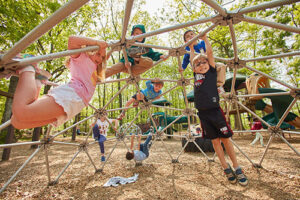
pixel 256 126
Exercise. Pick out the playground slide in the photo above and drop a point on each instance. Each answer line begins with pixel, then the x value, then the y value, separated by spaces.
pixel 258 84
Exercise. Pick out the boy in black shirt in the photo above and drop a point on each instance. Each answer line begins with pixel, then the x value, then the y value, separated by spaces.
pixel 211 115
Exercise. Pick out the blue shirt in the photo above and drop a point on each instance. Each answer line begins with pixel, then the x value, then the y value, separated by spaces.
pixel 139 155
pixel 186 58
pixel 149 91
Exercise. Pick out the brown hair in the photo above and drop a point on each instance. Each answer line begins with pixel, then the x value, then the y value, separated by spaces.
pixel 129 155
pixel 186 33
pixel 159 83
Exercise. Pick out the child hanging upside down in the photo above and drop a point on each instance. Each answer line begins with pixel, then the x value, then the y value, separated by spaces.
pixel 152 91
pixel 65 101
pixel 143 149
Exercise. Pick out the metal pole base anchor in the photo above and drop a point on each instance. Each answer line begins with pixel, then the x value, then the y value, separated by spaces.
pixel 257 165
pixel 52 183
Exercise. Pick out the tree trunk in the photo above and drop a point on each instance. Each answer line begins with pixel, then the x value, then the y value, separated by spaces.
pixel 8 133
pixel 8 139
pixel 8 104
pixel 77 117
pixel 36 136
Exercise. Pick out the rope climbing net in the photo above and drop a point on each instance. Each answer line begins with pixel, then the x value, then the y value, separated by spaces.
pixel 222 18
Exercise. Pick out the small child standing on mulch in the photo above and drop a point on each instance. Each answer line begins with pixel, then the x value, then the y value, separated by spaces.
pixel 256 125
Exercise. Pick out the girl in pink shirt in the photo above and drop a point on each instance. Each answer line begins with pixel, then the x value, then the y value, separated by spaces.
pixel 63 102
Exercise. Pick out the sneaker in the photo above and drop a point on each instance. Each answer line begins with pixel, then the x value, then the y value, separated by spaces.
pixel 102 158
pixel 121 116
pixel 242 179
pixel 230 175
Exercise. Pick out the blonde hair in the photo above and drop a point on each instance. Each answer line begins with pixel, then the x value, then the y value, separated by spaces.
pixel 197 58
pixel 101 68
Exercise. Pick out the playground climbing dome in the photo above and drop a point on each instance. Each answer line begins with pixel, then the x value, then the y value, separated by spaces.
pixel 221 18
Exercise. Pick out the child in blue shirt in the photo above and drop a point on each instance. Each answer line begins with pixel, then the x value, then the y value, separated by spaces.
pixel 187 36
pixel 143 149
pixel 153 91
pixel 200 48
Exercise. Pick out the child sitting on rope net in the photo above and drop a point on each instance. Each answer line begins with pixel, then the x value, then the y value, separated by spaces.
pixel 143 148
pixel 200 47
pixel 65 101
pixel 211 115
pixel 140 58
pixel 152 91
pixel 100 129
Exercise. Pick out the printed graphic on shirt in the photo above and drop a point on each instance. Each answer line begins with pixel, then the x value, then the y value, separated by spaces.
pixel 214 99
pixel 224 130
pixel 94 78
pixel 199 78
pixel 103 128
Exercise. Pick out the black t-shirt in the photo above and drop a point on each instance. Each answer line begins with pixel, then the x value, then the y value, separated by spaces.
pixel 205 90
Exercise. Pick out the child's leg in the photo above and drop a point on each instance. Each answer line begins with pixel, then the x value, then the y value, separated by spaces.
pixel 219 151
pixel 143 65
pixel 261 139
pixel 230 151
pixel 27 109
pixel 116 68
pixel 25 125
pixel 129 102
pixel 101 143
pixel 255 139
pixel 96 132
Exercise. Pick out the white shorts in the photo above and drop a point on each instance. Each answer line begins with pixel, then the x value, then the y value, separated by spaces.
pixel 67 98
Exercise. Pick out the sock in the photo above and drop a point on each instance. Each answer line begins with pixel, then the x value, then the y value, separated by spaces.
pixel 238 167
pixel 28 68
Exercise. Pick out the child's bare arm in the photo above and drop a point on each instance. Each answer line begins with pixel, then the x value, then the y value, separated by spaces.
pixel 209 51
pixel 76 42
pixel 139 144
pixel 132 142
pixel 192 53
pixel 116 123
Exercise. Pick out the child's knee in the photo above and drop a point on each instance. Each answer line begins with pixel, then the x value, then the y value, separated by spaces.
pixel 16 123
pixel 147 62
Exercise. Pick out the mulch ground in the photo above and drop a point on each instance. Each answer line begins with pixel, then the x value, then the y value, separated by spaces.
pixel 192 178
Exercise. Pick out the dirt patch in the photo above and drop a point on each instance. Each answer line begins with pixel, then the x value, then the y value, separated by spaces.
pixel 192 178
